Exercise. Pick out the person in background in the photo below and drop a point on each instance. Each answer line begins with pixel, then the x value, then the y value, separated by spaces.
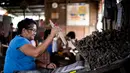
pixel 1 40
pixel 45 57
pixel 10 36
pixel 21 54
pixel 11 27
pixel 46 34
pixel 71 39
pixel 64 56
pixel 71 36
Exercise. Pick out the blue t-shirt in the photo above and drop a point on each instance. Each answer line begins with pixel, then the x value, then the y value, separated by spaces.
pixel 16 60
pixel 49 49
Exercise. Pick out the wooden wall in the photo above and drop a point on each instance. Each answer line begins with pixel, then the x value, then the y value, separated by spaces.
pixel 81 31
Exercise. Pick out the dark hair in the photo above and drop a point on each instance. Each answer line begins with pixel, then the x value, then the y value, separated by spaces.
pixel 11 24
pixel 25 24
pixel 46 33
pixel 71 34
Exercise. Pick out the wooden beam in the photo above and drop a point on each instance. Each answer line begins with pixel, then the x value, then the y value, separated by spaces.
pixel 71 1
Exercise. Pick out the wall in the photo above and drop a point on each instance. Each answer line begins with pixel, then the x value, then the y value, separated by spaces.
pixel 61 20
pixel 81 31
